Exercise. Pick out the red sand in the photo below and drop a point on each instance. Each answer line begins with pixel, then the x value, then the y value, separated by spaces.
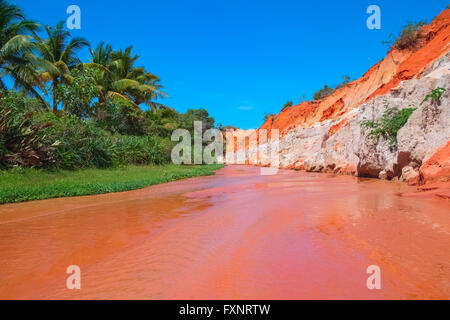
pixel 435 174
pixel 236 235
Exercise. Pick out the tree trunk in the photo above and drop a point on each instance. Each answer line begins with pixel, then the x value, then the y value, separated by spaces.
pixel 55 103
pixel 100 113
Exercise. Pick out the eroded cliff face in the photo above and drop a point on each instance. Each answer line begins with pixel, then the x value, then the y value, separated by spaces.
pixel 327 136
pixel 343 145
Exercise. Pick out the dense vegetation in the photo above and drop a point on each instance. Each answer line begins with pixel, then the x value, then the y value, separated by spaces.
pixel 57 111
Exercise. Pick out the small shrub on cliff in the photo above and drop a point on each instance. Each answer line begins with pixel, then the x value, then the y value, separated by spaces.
pixel 408 37
pixel 327 91
pixel 346 80
pixel 288 104
pixel 323 93
pixel 390 123
pixel 435 94
pixel 267 116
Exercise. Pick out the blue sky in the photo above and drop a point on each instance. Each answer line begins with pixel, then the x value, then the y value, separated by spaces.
pixel 241 58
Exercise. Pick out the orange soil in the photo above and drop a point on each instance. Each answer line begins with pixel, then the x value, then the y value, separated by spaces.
pixel 336 127
pixel 435 173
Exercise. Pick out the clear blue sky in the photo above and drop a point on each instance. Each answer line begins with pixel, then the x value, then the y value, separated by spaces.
pixel 241 58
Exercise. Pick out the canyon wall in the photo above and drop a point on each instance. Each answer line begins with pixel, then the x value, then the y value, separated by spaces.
pixel 327 135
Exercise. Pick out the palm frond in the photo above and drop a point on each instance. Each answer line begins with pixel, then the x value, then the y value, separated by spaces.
pixel 124 84
pixel 75 44
pixel 91 65
pixel 62 67
pixel 112 94
pixel 16 45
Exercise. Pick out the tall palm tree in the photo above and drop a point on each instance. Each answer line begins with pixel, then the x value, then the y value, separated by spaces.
pixel 58 53
pixel 16 57
pixel 103 59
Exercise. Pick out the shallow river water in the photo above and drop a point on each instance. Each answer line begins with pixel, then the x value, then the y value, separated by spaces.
pixel 235 235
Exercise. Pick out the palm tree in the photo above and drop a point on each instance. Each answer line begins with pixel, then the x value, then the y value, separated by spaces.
pixel 148 89
pixel 109 83
pixel 140 86
pixel 58 53
pixel 101 56
pixel 17 60
pixel 121 80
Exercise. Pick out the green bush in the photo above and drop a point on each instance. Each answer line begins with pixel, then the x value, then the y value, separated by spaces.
pixel 435 94
pixel 21 139
pixel 187 119
pixel 288 104
pixel 327 91
pixel 141 150
pixel 124 118
pixel 345 81
pixel 80 143
pixel 19 102
pixel 76 97
pixel 268 115
pixel 162 122
pixel 390 123
pixel 323 93
pixel 408 37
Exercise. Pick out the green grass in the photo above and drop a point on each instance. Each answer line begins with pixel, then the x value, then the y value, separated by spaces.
pixel 19 185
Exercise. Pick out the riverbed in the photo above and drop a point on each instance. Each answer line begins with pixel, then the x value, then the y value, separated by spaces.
pixel 235 235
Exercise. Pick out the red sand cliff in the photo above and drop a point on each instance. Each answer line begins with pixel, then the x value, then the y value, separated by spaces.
pixel 435 173
pixel 399 65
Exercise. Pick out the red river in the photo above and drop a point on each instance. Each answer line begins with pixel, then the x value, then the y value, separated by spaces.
pixel 235 235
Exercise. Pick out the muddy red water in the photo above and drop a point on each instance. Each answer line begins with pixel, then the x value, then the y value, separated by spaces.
pixel 236 235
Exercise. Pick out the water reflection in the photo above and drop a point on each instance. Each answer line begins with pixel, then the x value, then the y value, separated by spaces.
pixel 235 235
